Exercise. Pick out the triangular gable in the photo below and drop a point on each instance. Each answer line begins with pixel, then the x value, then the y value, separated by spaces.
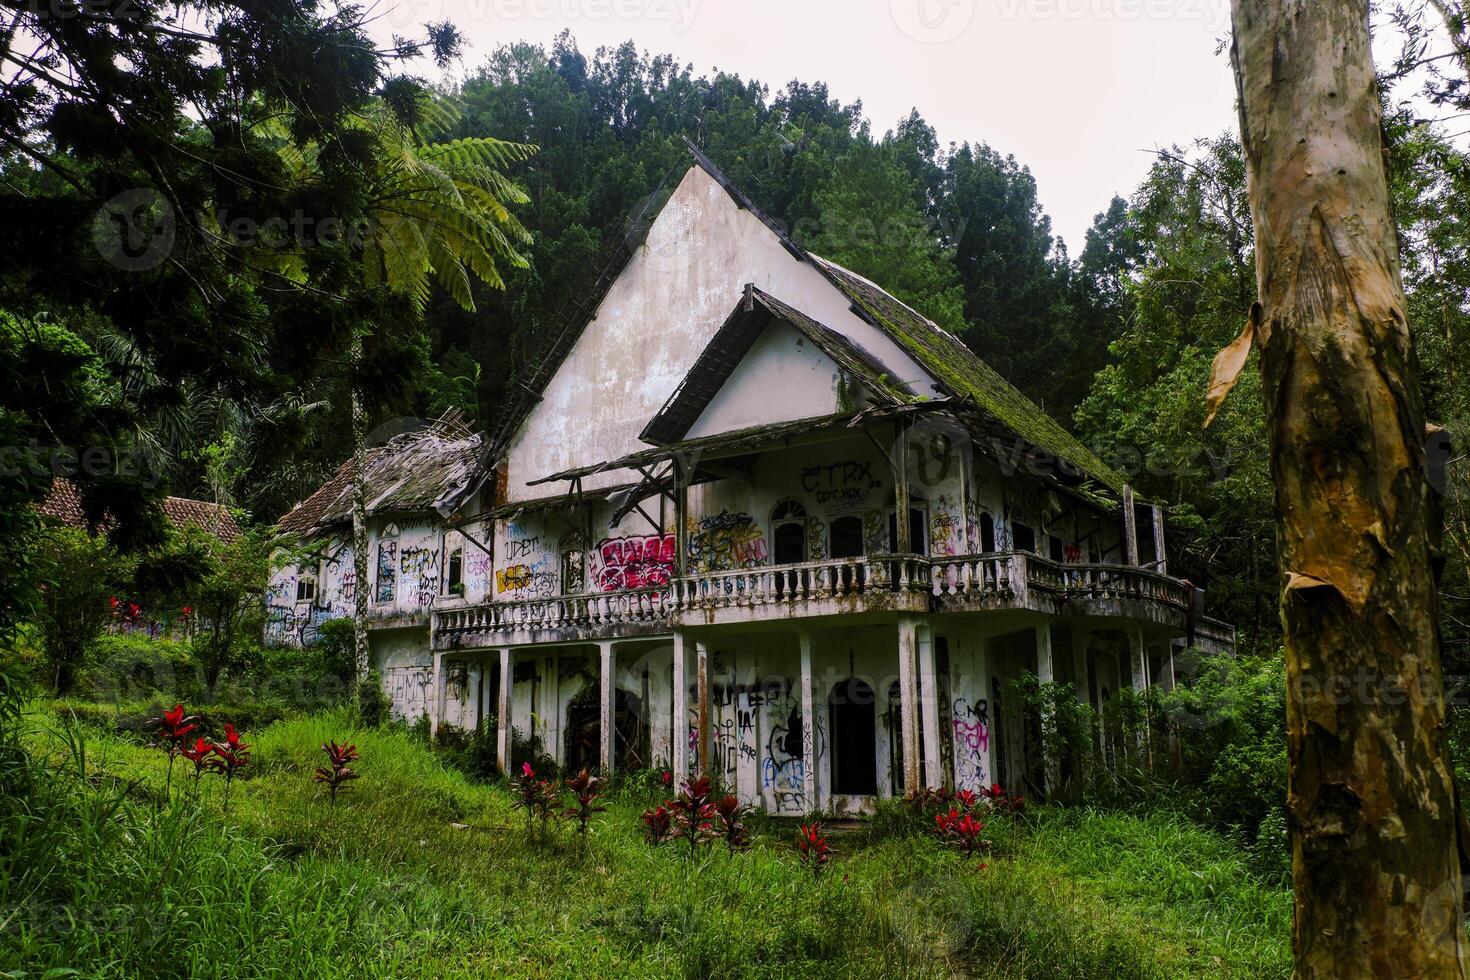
pixel 735 379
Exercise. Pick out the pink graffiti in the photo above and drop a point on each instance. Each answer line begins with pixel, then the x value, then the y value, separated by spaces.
pixel 975 736
pixel 636 563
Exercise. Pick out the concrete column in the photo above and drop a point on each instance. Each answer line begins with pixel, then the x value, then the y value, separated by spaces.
pixel 679 722
pixel 1160 555
pixel 701 655
pixel 436 710
pixel 808 725
pixel 1139 659
pixel 1130 528
pixel 502 714
pixel 1045 669
pixel 982 696
pixel 929 709
pixel 908 701
pixel 605 733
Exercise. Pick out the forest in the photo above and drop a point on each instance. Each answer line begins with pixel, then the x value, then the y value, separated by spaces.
pixel 296 312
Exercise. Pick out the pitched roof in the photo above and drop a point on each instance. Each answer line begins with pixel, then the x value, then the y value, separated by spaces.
pixel 965 375
pixel 64 504
pixel 432 469
pixel 733 341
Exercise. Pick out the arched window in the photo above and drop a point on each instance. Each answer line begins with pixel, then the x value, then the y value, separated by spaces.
pixel 788 532
pixel 573 564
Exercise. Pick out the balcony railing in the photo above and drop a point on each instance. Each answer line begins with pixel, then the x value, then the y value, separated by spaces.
pixel 1018 579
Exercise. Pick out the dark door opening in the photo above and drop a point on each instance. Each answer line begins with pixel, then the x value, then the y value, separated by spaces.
pixel 918 532
pixel 847 537
pixel 854 739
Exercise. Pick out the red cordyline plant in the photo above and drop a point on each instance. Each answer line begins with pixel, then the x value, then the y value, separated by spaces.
pixel 173 732
pixel 538 797
pixel 961 830
pixel 338 772
pixel 230 756
pixel 812 844
pixel 1003 802
pixel 731 828
pixel 199 754
pixel 586 791
pixel 694 814
pixel 657 824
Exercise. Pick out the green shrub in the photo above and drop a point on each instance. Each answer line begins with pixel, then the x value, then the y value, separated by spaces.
pixel 373 705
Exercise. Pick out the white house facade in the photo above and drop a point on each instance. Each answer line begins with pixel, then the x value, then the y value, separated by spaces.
pixel 762 521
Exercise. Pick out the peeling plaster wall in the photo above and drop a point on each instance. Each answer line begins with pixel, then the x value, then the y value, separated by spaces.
pixel 656 319
pixel 783 376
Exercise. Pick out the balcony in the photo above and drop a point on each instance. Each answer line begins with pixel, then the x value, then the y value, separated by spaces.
pixel 834 587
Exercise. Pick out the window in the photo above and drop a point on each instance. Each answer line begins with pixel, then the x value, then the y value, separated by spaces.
pixel 1054 547
pixel 1023 538
pixel 387 578
pixel 573 565
pixel 987 534
pixel 847 537
pixel 918 532
pixel 454 573
pixel 788 532
pixel 305 589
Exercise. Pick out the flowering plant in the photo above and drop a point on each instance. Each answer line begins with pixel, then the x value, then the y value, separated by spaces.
pixel 230 756
pixel 657 823
pixel 693 813
pixel 732 829
pixel 173 731
pixel 586 791
pixel 812 844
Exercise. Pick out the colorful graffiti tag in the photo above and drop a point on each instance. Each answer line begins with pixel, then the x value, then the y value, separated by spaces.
pixel 645 562
pixel 725 541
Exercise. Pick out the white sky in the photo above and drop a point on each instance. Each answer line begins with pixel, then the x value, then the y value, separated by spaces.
pixel 1077 90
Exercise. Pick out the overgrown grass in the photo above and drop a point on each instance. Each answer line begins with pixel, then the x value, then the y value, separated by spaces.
pixel 420 872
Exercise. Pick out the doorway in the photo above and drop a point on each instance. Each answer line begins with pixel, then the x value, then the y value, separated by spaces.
pixel 854 739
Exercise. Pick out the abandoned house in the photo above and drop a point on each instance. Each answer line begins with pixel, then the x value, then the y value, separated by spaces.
pixel 758 519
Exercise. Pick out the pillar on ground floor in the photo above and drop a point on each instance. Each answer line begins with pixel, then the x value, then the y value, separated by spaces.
pixel 679 716
pixel 929 709
pixel 808 725
pixel 436 712
pixel 1046 673
pixel 605 732
pixel 908 688
pixel 502 714
pixel 701 667
pixel 1138 657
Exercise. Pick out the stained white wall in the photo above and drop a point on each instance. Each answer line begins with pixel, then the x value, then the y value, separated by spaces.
pixel 655 320
pixel 783 376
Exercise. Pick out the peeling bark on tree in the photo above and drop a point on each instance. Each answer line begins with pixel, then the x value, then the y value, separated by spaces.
pixel 1372 803
pixel 359 518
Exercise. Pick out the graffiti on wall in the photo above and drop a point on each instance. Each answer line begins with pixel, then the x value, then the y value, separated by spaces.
pixel 639 562
pixel 387 559
pixel 875 532
pixel 528 571
pixel 841 487
pixel 971 743
pixel 725 541
pixel 419 568
pixel 408 687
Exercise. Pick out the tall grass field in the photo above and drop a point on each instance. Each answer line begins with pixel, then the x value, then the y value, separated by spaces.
pixel 109 867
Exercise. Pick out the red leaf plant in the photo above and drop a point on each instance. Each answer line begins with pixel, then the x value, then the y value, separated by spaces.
pixel 813 847
pixel 1003 802
pixel 230 756
pixel 338 772
pixel 538 797
pixel 732 813
pixel 657 824
pixel 173 731
pixel 694 815
pixel 586 791
pixel 967 799
pixel 961 831
pixel 199 754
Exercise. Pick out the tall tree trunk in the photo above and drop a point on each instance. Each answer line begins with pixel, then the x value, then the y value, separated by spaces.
pixel 1371 804
pixel 359 517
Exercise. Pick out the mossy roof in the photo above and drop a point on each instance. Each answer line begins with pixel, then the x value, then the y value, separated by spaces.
pixel 965 376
